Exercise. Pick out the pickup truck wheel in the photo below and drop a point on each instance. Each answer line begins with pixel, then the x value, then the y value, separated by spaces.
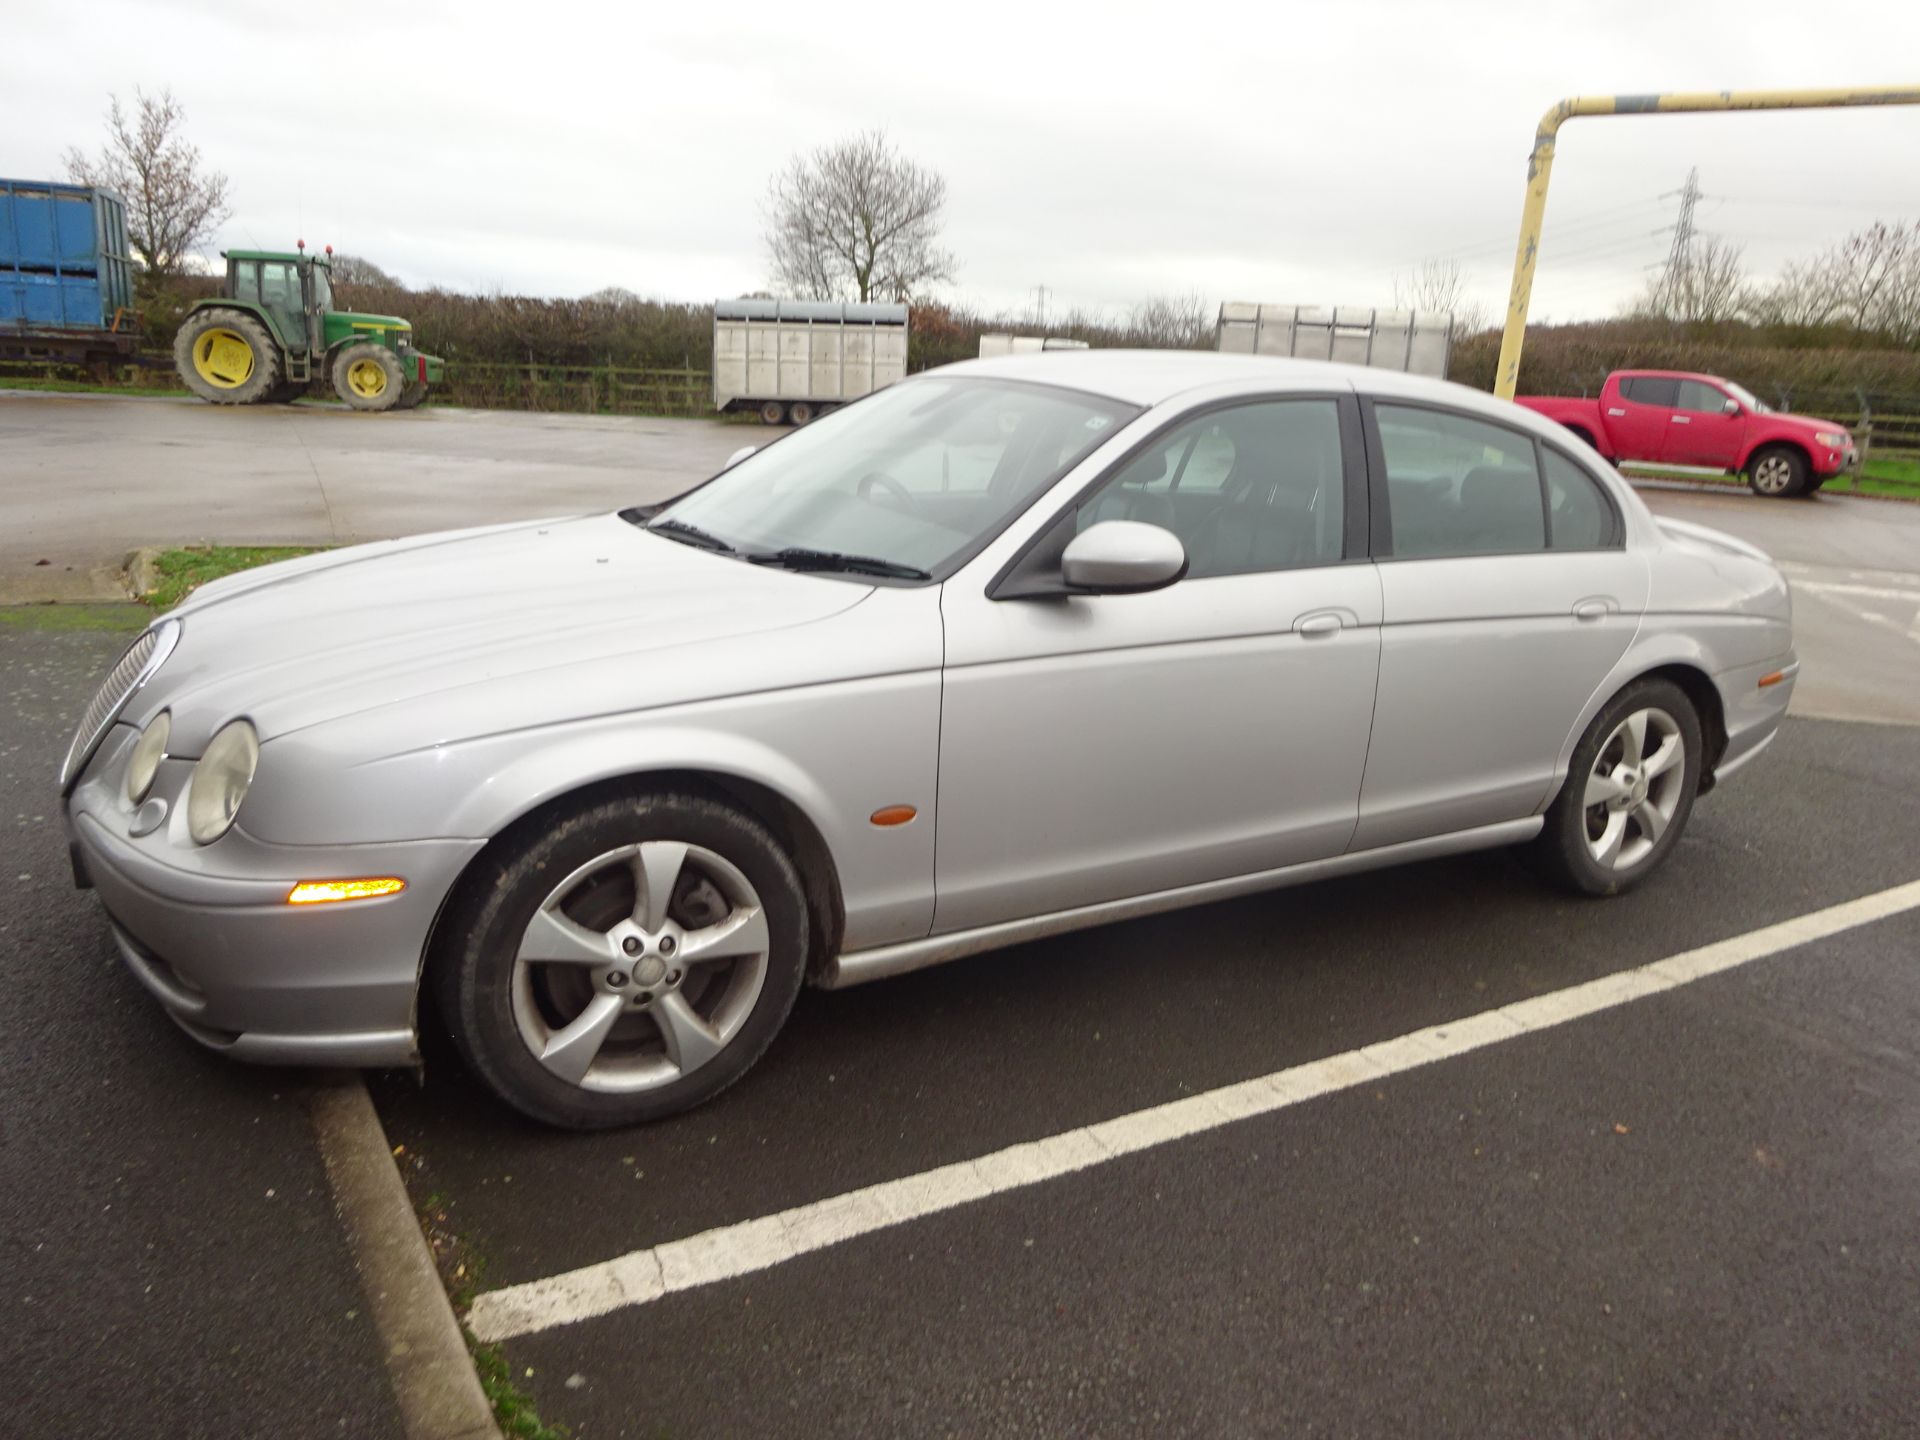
pixel 1778 472
pixel 227 357
pixel 1579 432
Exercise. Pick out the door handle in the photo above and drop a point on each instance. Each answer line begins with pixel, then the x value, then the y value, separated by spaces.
pixel 1683 419
pixel 1591 609
pixel 1324 623
pixel 1616 412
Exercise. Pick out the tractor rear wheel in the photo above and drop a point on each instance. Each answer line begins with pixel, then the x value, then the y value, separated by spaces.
pixel 367 376
pixel 226 356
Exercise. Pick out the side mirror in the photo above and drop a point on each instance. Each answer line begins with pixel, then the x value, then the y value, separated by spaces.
pixel 737 456
pixel 1122 557
pixel 1732 407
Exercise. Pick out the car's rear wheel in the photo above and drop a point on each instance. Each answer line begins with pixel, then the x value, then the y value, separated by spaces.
pixel 1777 472
pixel 1629 790
pixel 626 961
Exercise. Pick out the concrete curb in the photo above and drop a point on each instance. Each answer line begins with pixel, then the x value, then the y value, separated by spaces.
pixel 433 1378
pixel 142 571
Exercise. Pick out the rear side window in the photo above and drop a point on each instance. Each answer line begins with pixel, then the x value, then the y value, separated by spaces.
pixel 1651 390
pixel 1579 517
pixel 1458 486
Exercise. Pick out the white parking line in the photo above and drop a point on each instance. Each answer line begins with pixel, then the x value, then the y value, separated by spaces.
pixel 643 1276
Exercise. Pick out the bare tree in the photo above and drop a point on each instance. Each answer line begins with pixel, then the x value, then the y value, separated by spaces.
pixel 358 270
pixel 856 220
pixel 1706 284
pixel 1870 281
pixel 614 297
pixel 1440 285
pixel 1172 322
pixel 172 204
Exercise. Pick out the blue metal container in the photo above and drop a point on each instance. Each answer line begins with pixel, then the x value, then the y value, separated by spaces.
pixel 64 261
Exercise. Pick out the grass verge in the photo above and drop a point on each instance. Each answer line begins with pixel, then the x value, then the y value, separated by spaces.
pixel 85 387
pixel 59 618
pixel 185 570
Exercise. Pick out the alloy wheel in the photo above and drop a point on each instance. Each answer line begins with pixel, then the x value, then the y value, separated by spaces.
pixel 1773 475
pixel 640 967
pixel 1634 789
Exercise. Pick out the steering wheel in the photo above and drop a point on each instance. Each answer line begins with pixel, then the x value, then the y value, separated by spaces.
pixel 879 480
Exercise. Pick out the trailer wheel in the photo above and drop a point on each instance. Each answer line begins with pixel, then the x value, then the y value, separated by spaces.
pixel 800 412
pixel 226 357
pixel 367 376
pixel 772 412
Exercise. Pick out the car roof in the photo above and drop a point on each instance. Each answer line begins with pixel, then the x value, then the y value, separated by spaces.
pixel 1153 377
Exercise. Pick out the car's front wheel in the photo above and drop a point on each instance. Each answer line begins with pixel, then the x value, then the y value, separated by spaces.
pixel 630 959
pixel 1629 790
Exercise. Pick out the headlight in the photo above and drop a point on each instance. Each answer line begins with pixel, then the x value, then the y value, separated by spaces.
pixel 148 751
pixel 220 782
pixel 1833 440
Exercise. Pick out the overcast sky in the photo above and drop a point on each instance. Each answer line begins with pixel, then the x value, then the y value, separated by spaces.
pixel 1263 150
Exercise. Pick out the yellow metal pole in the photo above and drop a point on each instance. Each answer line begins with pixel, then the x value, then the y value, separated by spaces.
pixel 1540 167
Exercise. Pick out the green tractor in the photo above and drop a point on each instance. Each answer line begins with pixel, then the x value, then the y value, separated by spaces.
pixel 273 331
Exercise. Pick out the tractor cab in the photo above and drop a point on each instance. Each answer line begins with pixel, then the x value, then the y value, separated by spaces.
pixel 274 326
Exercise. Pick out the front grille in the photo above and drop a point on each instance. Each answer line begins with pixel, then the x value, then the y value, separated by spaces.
pixel 134 669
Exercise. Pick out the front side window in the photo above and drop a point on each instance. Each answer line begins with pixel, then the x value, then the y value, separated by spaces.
pixel 322 289
pixel 1458 486
pixel 916 476
pixel 1701 398
pixel 1252 488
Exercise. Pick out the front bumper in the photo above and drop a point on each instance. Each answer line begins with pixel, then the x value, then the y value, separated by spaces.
pixel 1830 462
pixel 421 366
pixel 206 930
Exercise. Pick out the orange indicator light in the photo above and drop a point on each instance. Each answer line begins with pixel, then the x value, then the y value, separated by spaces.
pixel 325 892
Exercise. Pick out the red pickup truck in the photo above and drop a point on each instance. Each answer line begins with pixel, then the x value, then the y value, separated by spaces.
pixel 1669 417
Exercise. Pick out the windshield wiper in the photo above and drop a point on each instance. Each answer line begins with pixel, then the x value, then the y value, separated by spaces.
pixel 689 535
pixel 798 557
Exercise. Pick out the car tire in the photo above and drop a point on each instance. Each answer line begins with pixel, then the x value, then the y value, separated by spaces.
pixel 1608 847
pixel 1778 472
pixel 510 1012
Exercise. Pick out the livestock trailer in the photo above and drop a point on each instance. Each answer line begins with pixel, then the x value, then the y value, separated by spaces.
pixel 66 275
pixel 1416 341
pixel 791 360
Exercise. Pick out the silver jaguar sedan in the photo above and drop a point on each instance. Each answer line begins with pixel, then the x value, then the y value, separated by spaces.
pixel 1008 649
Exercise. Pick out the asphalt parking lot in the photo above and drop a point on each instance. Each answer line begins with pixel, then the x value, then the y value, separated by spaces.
pixel 1687 1214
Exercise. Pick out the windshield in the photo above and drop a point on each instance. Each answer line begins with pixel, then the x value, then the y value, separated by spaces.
pixel 914 477
pixel 1746 398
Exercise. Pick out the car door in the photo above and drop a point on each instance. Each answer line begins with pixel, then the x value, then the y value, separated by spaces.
pixel 1507 596
pixel 1095 747
pixel 1638 418
pixel 1701 431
